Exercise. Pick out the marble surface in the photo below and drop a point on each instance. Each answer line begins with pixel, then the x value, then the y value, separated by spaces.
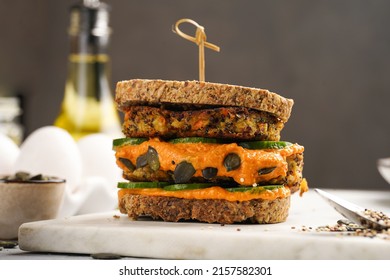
pixel 112 232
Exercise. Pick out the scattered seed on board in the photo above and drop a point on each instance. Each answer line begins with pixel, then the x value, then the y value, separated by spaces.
pixel 349 228
pixel 379 217
pixel 352 229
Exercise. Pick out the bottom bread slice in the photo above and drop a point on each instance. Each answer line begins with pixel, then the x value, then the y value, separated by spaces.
pixel 173 209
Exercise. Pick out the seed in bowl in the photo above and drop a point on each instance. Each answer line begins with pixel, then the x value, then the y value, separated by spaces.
pixel 22 176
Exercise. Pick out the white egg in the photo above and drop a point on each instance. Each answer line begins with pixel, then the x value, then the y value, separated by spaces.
pixel 51 151
pixel 99 196
pixel 9 152
pixel 98 158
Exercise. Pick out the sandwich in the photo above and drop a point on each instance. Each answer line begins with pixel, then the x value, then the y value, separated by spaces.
pixel 205 152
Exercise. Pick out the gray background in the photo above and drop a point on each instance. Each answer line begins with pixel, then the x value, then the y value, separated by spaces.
pixel 331 57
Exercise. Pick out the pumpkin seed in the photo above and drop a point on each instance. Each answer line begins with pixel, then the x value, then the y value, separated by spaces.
pixel 209 172
pixel 183 172
pixel 21 176
pixel 232 161
pixel 105 256
pixel 38 177
pixel 350 226
pixel 8 244
pixel 152 158
pixel 266 170
pixel 129 165
pixel 141 161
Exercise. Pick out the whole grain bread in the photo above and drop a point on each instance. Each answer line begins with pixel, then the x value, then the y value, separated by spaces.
pixel 171 209
pixel 159 92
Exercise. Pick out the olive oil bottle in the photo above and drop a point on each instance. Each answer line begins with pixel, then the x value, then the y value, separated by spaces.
pixel 88 105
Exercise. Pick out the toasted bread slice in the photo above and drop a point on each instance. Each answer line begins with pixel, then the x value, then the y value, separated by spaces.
pixel 221 211
pixel 196 93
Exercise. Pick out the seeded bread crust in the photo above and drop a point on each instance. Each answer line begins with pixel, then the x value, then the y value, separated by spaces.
pixel 160 92
pixel 171 209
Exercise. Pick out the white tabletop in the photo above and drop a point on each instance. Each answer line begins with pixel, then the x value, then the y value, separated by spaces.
pixel 307 211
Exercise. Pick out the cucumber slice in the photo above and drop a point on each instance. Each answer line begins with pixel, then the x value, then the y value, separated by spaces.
pixel 258 145
pixel 141 185
pixel 183 187
pixel 254 189
pixel 193 140
pixel 128 141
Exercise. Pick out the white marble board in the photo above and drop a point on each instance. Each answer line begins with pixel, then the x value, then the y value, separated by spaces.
pixel 105 232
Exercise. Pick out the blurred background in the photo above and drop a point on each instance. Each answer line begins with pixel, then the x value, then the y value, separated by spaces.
pixel 331 57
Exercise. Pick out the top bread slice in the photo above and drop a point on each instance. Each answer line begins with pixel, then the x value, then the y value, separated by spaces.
pixel 160 92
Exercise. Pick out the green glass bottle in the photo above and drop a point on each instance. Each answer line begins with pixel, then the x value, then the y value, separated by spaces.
pixel 88 105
